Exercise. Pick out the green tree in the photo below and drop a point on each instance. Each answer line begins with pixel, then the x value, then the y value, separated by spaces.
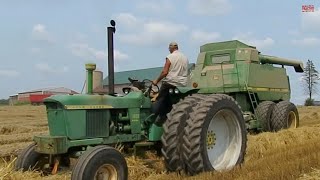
pixel 310 80
pixel 4 101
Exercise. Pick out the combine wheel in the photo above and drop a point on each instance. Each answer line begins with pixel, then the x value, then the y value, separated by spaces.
pixel 29 159
pixel 215 135
pixel 285 115
pixel 100 163
pixel 264 112
pixel 173 132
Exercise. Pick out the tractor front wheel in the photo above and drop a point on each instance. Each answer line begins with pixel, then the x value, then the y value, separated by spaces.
pixel 215 136
pixel 29 159
pixel 99 163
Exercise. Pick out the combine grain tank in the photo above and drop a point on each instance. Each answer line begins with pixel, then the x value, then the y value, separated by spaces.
pixel 97 79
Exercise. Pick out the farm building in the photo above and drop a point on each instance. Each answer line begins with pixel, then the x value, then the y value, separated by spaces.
pixel 37 95
pixel 121 78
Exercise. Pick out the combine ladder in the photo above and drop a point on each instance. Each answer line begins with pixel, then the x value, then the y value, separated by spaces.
pixel 253 99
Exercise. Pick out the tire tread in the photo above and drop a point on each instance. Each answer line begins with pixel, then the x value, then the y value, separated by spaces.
pixel 173 131
pixel 264 113
pixel 192 145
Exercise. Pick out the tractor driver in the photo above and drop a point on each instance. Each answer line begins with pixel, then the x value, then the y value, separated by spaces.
pixel 174 74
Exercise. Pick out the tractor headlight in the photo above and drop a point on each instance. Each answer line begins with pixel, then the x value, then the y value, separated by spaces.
pixel 176 91
pixel 171 91
pixel 126 90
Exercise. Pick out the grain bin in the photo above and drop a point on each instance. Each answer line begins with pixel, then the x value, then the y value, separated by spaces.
pixel 97 79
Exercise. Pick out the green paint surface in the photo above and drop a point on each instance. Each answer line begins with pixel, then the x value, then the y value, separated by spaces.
pixel 155 133
pixel 134 99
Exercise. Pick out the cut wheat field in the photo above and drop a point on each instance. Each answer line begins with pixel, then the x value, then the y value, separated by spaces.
pixel 288 154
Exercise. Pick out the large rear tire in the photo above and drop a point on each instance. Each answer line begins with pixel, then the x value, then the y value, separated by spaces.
pixel 285 115
pixel 173 132
pixel 263 113
pixel 101 162
pixel 215 135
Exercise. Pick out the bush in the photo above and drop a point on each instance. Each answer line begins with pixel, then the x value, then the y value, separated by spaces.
pixel 20 103
pixel 4 101
pixel 309 102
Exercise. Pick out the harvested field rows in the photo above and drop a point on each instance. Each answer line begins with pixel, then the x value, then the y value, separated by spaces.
pixel 18 125
pixel 289 154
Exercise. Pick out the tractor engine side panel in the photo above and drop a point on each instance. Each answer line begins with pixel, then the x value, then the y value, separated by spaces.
pixel 79 124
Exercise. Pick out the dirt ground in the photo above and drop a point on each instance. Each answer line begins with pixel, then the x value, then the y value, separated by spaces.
pixel 288 154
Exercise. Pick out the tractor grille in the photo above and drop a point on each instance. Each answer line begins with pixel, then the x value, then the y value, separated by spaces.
pixel 96 123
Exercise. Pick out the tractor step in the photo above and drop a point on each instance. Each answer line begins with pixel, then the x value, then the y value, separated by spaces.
pixel 144 143
pixel 141 144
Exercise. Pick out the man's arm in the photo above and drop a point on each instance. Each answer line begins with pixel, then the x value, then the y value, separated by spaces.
pixel 164 72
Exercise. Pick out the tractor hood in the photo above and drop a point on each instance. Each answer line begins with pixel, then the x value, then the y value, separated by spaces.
pixel 83 101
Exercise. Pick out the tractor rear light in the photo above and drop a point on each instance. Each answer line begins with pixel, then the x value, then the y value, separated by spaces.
pixel 195 85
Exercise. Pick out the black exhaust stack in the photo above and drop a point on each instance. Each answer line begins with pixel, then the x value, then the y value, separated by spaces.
pixel 111 30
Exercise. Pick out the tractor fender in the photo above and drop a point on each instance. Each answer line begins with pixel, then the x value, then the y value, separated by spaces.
pixel 187 90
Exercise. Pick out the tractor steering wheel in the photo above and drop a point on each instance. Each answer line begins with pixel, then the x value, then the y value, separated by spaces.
pixel 149 86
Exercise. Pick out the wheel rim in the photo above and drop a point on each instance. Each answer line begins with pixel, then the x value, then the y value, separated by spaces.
pixel 292 120
pixel 223 140
pixel 106 172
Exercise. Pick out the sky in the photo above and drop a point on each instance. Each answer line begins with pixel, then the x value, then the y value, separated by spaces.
pixel 47 43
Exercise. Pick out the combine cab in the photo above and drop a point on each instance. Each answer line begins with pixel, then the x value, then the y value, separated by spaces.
pixel 234 89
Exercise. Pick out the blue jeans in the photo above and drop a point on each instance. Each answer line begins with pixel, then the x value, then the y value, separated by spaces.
pixel 163 105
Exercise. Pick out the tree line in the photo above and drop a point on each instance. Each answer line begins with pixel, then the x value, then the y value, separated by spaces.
pixel 4 101
pixel 310 81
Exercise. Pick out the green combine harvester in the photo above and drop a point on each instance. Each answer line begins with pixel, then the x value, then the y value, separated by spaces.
pixel 233 90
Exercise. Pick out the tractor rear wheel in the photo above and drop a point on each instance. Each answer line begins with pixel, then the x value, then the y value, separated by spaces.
pixel 173 132
pixel 285 115
pixel 215 136
pixel 29 159
pixel 101 162
pixel 264 112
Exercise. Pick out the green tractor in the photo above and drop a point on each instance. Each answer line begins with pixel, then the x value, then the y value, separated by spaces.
pixel 233 89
